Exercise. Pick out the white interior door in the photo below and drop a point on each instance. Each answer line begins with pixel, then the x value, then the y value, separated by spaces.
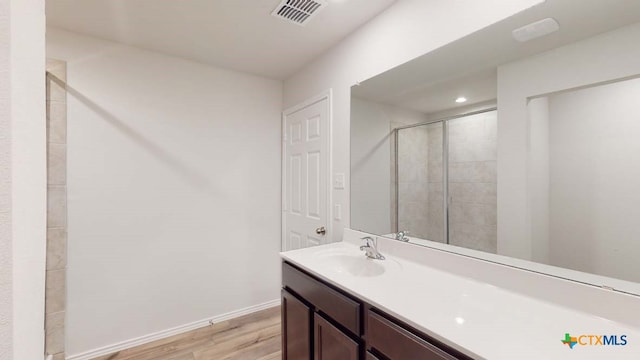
pixel 305 176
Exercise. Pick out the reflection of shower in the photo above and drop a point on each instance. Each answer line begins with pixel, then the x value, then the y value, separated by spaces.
pixel 444 180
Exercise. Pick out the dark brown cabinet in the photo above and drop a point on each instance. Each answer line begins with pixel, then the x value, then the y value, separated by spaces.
pixel 321 322
pixel 318 321
pixel 296 328
pixel 331 343
pixel 336 305
pixel 394 342
pixel 370 356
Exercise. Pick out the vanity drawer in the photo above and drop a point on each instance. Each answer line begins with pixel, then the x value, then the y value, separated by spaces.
pixel 398 343
pixel 370 356
pixel 325 299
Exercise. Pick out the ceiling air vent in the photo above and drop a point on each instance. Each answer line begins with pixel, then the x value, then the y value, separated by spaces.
pixel 298 11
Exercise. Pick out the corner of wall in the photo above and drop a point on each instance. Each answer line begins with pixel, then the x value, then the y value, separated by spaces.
pixel 56 263
pixel 6 261
pixel 28 174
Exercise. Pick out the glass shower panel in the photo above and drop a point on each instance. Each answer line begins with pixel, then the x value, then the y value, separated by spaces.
pixel 472 181
pixel 420 201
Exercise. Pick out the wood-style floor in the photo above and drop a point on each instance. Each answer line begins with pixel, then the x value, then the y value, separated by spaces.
pixel 251 337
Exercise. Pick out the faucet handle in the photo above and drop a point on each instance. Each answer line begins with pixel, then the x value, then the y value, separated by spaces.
pixel 402 235
pixel 371 248
pixel 368 240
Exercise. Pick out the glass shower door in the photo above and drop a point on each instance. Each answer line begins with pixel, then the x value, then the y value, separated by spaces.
pixel 419 176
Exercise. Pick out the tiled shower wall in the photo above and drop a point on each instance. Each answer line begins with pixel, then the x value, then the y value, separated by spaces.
pixel 472 182
pixel 55 295
pixel 413 181
pixel 435 199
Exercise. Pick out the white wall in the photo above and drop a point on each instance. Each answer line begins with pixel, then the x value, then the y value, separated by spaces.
pixel 173 191
pixel 371 162
pixel 22 179
pixel 539 178
pixel 370 167
pixel 613 55
pixel 594 176
pixel 6 261
pixel 406 30
pixel 461 110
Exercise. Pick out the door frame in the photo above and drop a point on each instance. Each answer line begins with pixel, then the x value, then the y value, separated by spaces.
pixel 325 95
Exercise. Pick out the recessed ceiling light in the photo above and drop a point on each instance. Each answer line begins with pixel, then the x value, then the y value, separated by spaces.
pixel 461 100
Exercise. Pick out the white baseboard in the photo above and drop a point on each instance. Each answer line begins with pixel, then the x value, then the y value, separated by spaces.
pixel 106 350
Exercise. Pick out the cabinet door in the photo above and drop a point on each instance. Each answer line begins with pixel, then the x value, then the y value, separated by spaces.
pixel 370 356
pixel 343 309
pixel 296 328
pixel 331 343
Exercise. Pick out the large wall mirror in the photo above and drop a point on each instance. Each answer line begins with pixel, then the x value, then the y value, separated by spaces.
pixel 518 144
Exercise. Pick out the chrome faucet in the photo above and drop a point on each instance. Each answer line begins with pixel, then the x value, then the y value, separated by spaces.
pixel 402 236
pixel 371 249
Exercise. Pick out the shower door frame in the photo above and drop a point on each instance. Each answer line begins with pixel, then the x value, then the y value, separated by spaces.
pixel 445 165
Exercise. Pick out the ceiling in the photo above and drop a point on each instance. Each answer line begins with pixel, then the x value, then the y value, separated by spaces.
pixel 480 87
pixel 467 67
pixel 235 34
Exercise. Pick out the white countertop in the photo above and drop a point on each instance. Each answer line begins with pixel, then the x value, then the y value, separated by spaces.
pixel 477 318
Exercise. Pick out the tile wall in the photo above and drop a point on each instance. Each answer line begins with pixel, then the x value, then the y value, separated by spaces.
pixel 55 294
pixel 413 181
pixel 435 197
pixel 473 182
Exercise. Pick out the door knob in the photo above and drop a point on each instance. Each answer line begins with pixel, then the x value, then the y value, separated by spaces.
pixel 321 230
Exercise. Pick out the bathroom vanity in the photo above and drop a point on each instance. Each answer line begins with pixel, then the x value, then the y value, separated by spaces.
pixel 324 323
pixel 521 200
pixel 425 303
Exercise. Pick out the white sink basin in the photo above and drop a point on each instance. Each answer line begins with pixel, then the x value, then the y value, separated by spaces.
pixel 354 264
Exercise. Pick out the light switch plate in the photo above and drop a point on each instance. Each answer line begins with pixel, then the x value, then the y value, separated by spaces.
pixel 338 181
pixel 337 212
